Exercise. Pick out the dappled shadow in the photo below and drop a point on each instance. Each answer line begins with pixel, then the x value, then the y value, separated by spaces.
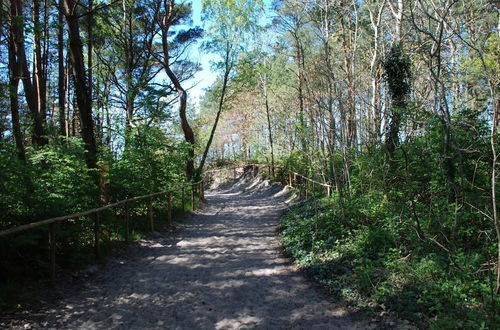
pixel 221 270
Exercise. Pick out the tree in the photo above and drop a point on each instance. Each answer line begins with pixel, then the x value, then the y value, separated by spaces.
pixel 83 96
pixel 171 15
pixel 398 74
pixel 14 75
pixel 31 94
pixel 230 23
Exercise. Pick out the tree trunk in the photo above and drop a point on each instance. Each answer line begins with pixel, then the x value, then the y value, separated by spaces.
pixel 14 102
pixel 375 18
pixel 188 132
pixel 300 87
pixel 263 79
pixel 81 88
pixel 90 46
pixel 229 66
pixel 398 103
pixel 494 151
pixel 38 136
pixel 61 82
pixel 39 81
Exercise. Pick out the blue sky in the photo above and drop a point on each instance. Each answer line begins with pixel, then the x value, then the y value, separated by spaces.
pixel 205 77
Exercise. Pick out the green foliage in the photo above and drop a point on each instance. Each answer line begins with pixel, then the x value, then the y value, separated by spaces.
pixel 55 181
pixel 61 181
pixel 399 239
pixel 152 161
pixel 397 68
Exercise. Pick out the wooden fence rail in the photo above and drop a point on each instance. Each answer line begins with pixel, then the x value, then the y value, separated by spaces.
pixel 197 190
pixel 306 186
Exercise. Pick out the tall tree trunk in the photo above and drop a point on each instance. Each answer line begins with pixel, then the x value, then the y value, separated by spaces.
pixel 129 66
pixel 14 102
pixel 61 81
pixel 263 79
pixel 228 67
pixel 375 18
pixel 38 136
pixel 81 87
pixel 398 102
pixel 300 88
pixel 494 145
pixel 39 81
pixel 90 47
pixel 188 132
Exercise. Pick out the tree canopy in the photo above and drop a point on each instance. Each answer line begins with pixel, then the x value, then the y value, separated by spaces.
pixel 394 103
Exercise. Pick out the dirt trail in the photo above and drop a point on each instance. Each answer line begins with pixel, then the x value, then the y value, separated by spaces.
pixel 221 270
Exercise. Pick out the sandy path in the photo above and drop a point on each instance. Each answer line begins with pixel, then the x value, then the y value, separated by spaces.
pixel 221 270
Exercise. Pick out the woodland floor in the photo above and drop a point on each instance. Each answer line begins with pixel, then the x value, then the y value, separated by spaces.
pixel 222 268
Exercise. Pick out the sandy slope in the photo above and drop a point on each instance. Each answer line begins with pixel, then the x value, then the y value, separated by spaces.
pixel 221 270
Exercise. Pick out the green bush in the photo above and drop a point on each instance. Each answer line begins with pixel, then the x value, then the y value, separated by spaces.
pixel 408 233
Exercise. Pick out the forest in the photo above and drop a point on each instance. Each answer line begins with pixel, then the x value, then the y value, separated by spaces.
pixel 394 103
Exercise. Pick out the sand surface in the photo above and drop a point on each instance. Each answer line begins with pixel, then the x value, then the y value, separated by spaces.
pixel 222 269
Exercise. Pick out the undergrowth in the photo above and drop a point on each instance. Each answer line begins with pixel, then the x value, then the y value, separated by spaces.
pixel 374 262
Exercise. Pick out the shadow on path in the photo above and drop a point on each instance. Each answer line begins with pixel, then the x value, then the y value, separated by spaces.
pixel 221 270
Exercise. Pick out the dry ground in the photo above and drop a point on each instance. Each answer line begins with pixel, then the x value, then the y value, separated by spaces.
pixel 222 269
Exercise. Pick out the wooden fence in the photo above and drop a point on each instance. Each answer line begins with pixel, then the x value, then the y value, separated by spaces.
pixel 305 186
pixel 197 190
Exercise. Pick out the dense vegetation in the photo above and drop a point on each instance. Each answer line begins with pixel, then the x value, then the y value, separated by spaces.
pixel 88 117
pixel 393 102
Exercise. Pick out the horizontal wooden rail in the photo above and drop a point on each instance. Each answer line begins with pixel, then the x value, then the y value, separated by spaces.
pixel 89 212
pixel 197 190
pixel 296 174
pixel 138 198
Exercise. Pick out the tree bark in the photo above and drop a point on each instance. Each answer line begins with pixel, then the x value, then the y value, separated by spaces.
pixel 38 136
pixel 14 102
pixel 375 125
pixel 61 81
pixel 81 87
pixel 90 46
pixel 188 132
pixel 39 79
pixel 493 145
pixel 268 115
pixel 228 67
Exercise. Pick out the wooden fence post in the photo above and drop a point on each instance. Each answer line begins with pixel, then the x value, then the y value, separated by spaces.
pixel 150 214
pixel 127 219
pixel 183 200
pixel 52 251
pixel 97 235
pixel 193 206
pixel 169 207
pixel 202 191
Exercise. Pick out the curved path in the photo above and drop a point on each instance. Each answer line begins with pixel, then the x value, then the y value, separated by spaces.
pixel 221 270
